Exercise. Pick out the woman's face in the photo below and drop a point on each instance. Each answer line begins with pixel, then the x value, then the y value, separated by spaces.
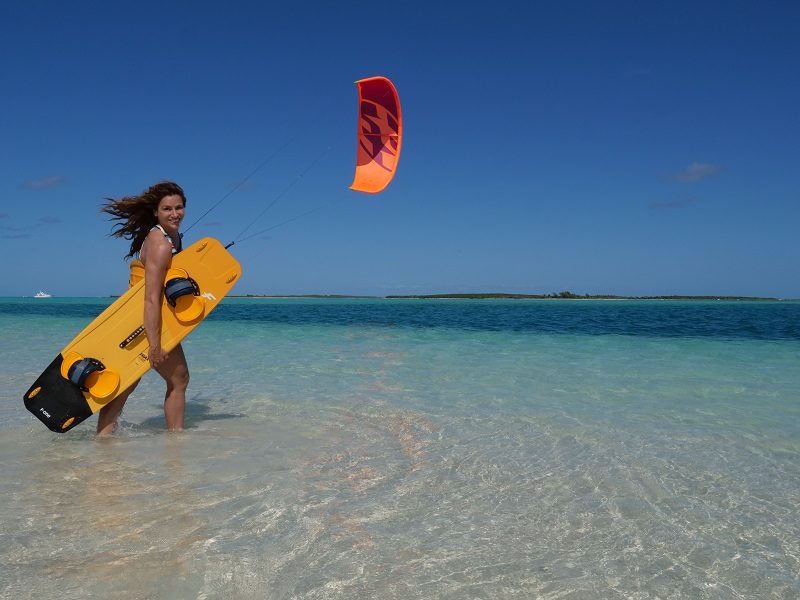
pixel 170 213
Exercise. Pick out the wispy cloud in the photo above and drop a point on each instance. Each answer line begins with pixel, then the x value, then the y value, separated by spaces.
pixel 675 204
pixel 12 232
pixel 697 172
pixel 45 183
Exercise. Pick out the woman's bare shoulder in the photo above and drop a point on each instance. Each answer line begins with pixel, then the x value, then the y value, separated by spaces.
pixel 156 248
pixel 154 236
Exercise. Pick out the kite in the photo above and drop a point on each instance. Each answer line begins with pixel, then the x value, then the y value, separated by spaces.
pixel 380 133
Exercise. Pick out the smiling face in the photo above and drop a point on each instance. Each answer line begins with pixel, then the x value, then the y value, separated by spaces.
pixel 169 213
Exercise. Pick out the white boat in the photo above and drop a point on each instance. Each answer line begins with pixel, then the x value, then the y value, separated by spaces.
pixel 41 294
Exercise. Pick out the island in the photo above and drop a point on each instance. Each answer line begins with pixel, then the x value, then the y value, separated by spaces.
pixel 572 296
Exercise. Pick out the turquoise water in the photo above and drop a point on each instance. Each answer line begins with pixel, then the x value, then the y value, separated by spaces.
pixel 420 449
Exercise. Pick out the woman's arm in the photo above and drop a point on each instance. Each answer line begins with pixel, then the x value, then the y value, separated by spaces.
pixel 159 256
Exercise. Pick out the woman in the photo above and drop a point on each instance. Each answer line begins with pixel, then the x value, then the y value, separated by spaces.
pixel 152 222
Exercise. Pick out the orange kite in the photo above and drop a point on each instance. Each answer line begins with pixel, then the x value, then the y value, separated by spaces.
pixel 380 132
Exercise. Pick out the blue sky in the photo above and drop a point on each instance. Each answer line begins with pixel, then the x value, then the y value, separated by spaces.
pixel 634 148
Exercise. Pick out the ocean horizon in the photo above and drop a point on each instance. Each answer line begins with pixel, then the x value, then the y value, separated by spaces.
pixel 365 447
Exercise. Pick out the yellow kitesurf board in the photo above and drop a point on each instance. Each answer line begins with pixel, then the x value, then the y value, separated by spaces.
pixel 110 354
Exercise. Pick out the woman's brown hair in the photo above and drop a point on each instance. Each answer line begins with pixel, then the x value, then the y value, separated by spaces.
pixel 137 213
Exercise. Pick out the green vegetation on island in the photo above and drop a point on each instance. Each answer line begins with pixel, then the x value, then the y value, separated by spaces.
pixel 570 296
pixel 504 296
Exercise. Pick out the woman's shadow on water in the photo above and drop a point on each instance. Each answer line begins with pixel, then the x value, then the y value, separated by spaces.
pixel 197 411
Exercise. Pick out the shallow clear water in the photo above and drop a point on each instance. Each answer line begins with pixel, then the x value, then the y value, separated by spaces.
pixel 420 449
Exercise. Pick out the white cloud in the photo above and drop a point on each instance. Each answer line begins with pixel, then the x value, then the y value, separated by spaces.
pixel 697 172
pixel 45 183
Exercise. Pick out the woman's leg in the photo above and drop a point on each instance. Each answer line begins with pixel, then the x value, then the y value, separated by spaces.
pixel 175 372
pixel 108 415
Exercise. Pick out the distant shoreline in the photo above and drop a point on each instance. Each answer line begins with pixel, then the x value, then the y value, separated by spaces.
pixel 570 296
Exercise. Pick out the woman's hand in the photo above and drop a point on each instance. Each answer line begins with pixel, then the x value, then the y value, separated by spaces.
pixel 156 355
